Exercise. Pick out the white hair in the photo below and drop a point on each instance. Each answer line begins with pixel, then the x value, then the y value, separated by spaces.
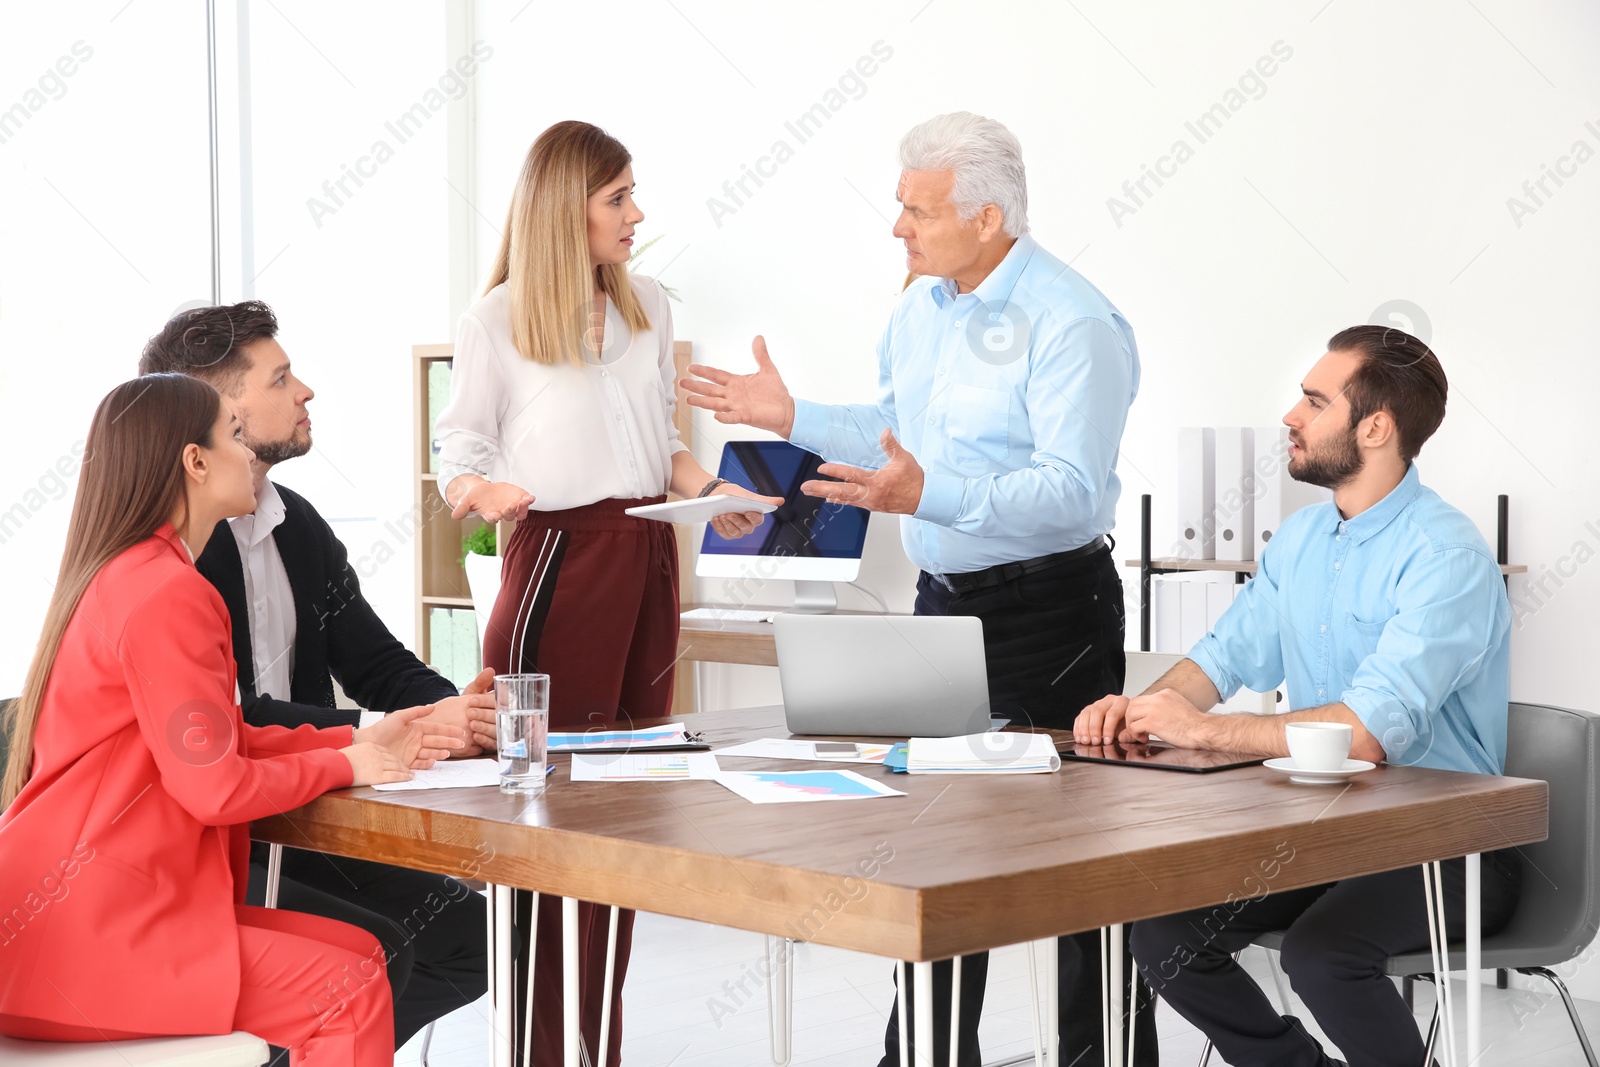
pixel 987 161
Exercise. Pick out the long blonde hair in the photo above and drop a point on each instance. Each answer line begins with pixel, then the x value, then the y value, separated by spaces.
pixel 132 481
pixel 544 254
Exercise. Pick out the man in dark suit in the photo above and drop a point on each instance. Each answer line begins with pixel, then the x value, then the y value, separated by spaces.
pixel 299 622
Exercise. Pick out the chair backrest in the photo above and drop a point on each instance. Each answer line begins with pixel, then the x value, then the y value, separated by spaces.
pixel 1559 912
pixel 483 583
pixel 5 729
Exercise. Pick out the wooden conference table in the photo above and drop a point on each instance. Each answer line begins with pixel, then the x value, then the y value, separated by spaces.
pixel 959 865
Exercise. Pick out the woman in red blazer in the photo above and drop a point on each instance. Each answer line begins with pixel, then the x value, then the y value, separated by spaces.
pixel 132 779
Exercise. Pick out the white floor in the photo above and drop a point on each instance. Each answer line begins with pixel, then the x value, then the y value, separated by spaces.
pixel 685 1008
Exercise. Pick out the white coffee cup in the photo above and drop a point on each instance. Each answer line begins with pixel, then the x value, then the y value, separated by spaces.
pixel 1318 746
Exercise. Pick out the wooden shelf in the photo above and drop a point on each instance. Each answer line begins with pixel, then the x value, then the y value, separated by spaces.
pixel 447 602
pixel 1241 568
pixel 1247 566
pixel 1234 566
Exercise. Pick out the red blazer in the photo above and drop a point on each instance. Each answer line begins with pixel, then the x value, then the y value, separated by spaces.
pixel 123 857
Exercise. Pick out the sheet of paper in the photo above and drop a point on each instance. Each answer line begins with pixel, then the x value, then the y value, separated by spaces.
pixel 643 766
pixel 450 774
pixel 790 748
pixel 803 787
pixel 670 734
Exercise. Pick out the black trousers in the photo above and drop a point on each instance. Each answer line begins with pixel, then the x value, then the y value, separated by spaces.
pixel 1053 640
pixel 432 927
pixel 1338 936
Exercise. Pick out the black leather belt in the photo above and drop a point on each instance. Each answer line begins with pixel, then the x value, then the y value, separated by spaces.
pixel 1001 573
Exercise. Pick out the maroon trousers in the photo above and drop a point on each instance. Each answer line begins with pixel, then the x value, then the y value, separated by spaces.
pixel 588 596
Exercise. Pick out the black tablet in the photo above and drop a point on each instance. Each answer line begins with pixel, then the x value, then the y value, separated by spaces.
pixel 1159 757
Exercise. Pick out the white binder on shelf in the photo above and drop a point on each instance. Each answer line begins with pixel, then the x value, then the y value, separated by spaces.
pixel 1219 598
pixel 1279 494
pixel 1197 493
pixel 1166 631
pixel 1235 488
pixel 1195 598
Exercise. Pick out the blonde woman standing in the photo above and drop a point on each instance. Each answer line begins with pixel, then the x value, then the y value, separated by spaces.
pixel 560 417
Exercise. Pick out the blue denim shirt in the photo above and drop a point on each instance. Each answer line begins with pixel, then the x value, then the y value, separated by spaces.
pixel 1400 613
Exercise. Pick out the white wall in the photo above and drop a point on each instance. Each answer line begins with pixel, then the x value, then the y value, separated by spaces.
pixel 1373 165
pixel 102 235
pixel 92 267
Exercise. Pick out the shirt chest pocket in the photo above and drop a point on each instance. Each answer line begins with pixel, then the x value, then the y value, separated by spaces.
pixel 978 425
pixel 1358 639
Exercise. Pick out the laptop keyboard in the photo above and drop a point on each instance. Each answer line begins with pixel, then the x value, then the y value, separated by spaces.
pixel 729 615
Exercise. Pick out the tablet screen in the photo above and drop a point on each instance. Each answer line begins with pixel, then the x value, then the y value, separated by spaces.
pixel 1159 757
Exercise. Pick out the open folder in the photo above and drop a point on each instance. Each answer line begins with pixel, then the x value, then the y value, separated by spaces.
pixel 995 752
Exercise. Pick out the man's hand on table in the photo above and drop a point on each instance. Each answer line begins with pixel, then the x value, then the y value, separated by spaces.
pixel 1128 720
pixel 472 712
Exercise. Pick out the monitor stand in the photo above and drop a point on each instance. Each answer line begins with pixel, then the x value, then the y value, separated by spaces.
pixel 814 598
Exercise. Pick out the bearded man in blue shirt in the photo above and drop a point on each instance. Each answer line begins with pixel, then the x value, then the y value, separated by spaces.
pixel 1004 381
pixel 1385 610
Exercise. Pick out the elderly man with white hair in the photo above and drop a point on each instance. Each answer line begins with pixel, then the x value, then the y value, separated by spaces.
pixel 1004 385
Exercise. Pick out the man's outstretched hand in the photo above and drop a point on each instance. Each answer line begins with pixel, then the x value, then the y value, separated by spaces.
pixel 760 399
pixel 895 487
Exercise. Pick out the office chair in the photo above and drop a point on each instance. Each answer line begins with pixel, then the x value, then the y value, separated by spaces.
pixel 1558 913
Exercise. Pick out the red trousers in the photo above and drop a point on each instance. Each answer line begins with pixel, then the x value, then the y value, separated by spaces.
pixel 312 985
pixel 588 596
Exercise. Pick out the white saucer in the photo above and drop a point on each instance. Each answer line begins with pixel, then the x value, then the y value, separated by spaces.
pixel 1297 773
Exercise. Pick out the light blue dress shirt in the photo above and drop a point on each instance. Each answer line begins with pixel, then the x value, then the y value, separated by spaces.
pixel 1400 613
pixel 1012 397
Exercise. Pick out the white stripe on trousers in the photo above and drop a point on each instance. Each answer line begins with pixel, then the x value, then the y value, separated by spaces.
pixel 530 596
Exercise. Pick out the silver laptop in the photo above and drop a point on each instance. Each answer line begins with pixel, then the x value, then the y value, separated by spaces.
pixel 883 675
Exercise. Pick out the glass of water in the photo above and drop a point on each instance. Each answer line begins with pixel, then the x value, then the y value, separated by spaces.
pixel 522 714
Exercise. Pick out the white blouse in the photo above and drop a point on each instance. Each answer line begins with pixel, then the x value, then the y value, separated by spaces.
pixel 569 434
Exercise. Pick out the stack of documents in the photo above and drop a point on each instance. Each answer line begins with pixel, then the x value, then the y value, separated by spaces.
pixel 996 752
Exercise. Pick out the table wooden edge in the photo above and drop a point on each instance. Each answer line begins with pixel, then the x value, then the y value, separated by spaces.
pixel 877 916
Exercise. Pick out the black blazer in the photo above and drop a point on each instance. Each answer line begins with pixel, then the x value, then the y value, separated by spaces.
pixel 337 633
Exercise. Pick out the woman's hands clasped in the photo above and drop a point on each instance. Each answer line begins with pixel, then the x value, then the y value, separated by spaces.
pixel 399 743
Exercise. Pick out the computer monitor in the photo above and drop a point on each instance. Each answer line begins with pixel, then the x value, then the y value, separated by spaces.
pixel 807 541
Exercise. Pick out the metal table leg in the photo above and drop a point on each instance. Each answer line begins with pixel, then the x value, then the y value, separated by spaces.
pixel 605 1005
pixel 900 998
pixel 502 988
pixel 1438 943
pixel 955 1010
pixel 1052 1001
pixel 571 1035
pixel 1111 1040
pixel 1474 958
pixel 780 998
pixel 533 955
pixel 922 1009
